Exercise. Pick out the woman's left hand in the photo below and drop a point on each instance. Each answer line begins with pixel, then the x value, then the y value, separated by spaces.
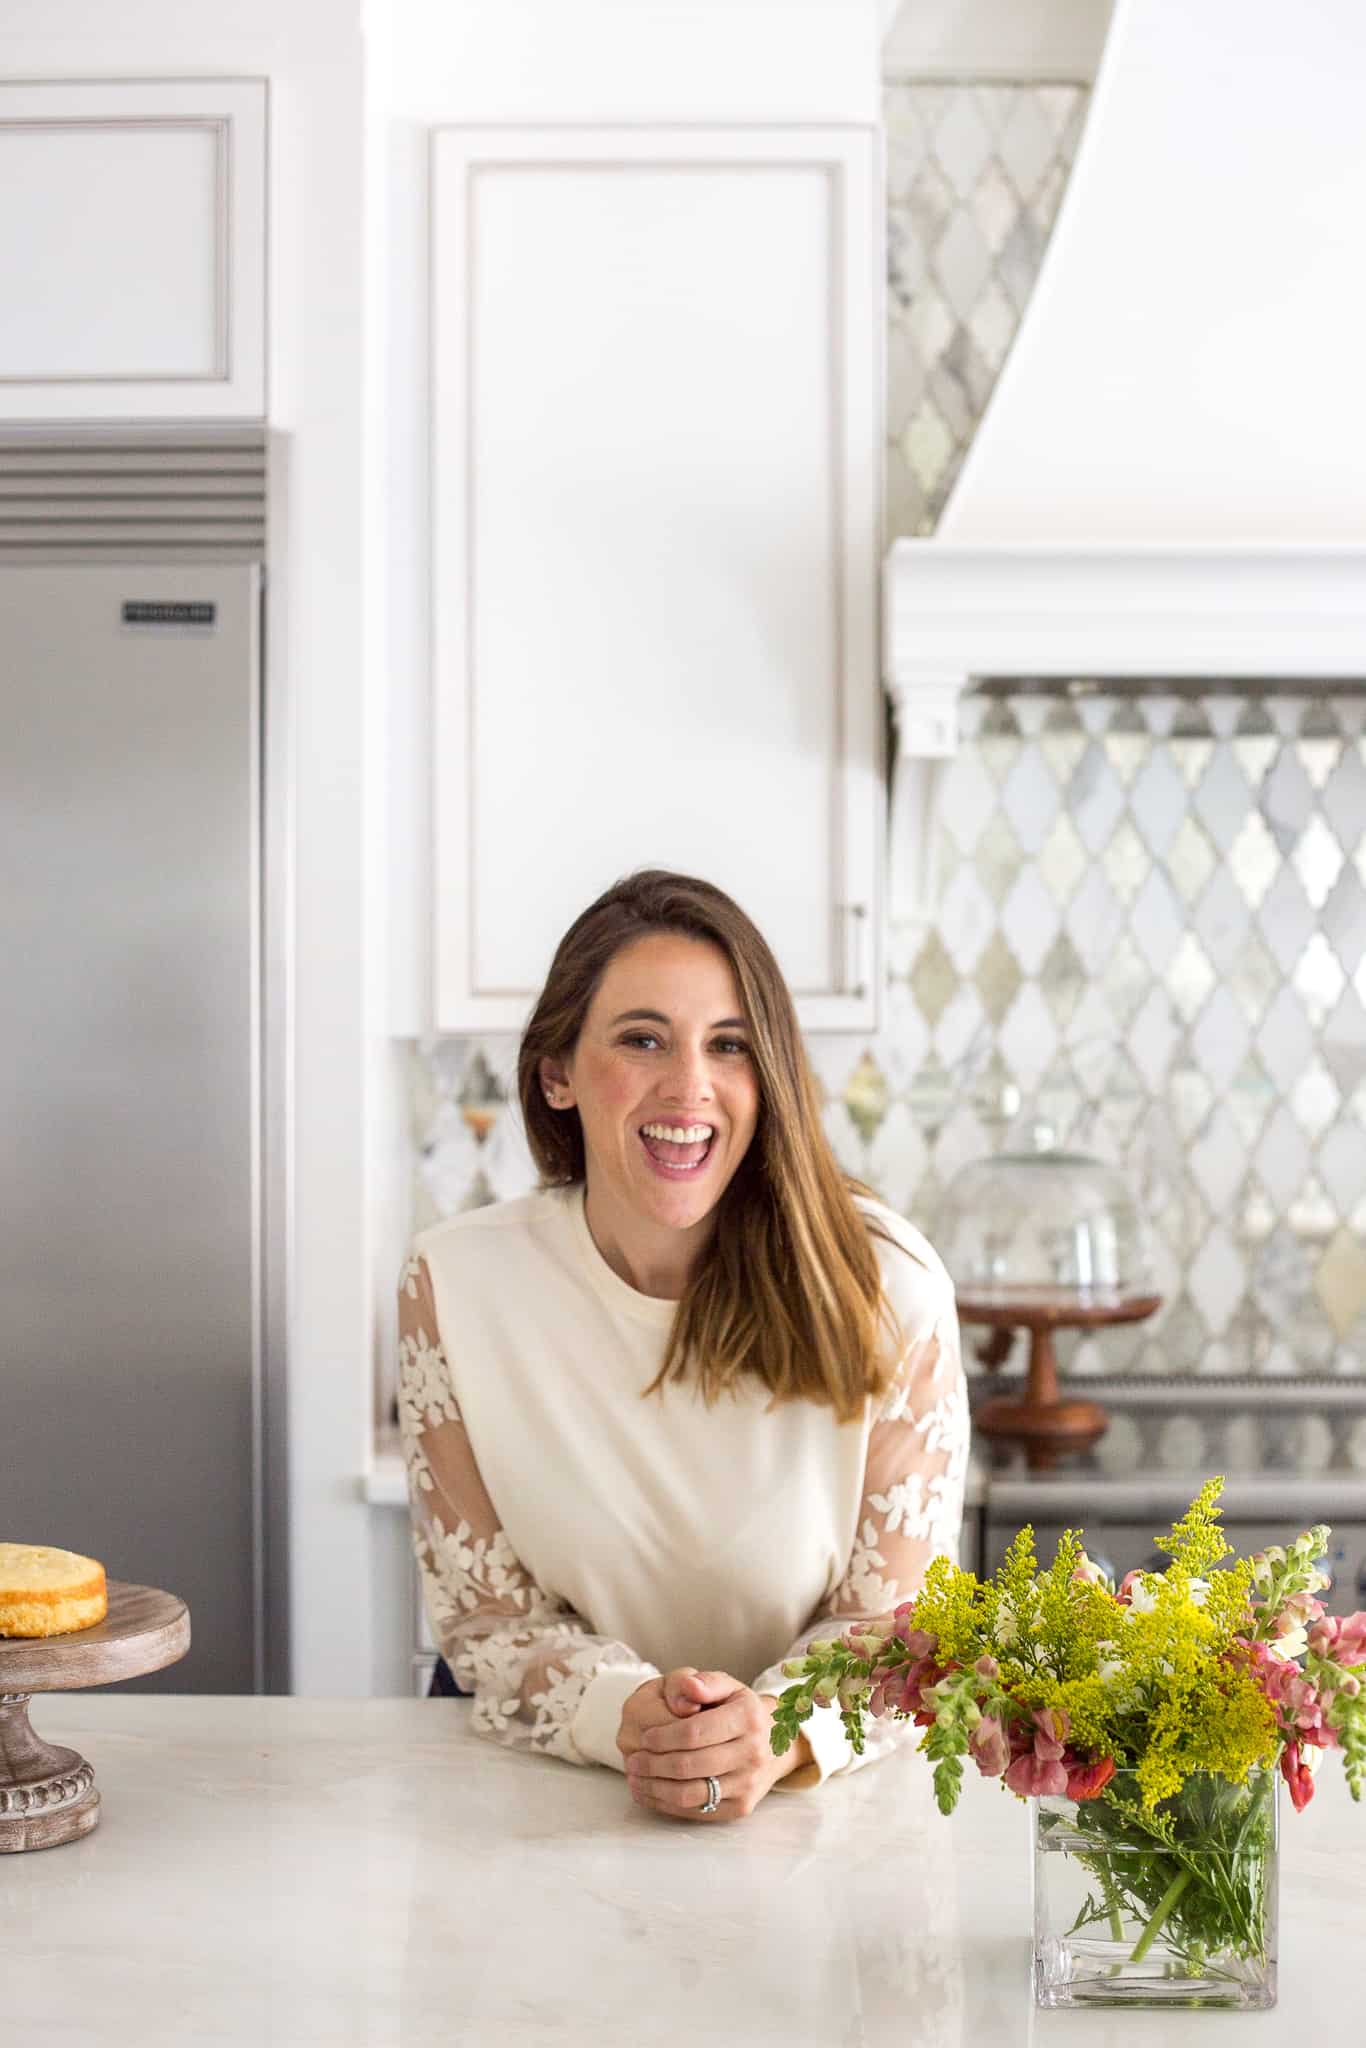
pixel 728 1739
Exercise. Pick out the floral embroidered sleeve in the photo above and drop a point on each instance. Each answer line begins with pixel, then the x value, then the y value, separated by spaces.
pixel 540 1679
pixel 912 1509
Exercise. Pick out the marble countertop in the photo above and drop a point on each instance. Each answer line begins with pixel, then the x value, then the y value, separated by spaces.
pixel 301 1871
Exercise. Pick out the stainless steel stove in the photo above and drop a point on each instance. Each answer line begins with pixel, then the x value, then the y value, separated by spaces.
pixel 1292 1452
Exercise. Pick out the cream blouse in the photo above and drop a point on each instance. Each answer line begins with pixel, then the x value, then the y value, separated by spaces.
pixel 575 1540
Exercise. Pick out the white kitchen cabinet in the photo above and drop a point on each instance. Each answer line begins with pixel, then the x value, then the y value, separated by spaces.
pixel 133 249
pixel 655 450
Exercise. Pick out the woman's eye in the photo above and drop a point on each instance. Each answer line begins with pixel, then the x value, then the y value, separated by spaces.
pixel 639 1038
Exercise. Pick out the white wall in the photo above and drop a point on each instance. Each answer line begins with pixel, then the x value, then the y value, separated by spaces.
pixel 1008 40
pixel 1189 367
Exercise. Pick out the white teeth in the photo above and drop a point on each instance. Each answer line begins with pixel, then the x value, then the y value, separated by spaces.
pixel 676 1134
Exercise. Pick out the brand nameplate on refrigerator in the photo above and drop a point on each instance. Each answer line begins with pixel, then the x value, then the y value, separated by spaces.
pixel 167 612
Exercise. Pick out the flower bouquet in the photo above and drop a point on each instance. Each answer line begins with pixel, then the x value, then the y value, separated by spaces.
pixel 1150 1722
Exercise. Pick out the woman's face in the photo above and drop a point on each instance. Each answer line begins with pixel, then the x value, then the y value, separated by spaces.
pixel 686 1064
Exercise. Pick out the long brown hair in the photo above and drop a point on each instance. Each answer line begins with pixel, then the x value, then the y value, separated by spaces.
pixel 788 1289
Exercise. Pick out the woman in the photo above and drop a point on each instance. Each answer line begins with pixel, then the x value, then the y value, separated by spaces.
pixel 712 1384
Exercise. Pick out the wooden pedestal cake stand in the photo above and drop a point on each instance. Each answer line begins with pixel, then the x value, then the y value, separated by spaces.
pixel 47 1793
pixel 1047 1427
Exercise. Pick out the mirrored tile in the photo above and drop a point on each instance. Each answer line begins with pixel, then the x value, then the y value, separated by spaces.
pixel 997 978
pixel 1095 798
pixel 1217 1278
pixel 1191 859
pixel 1125 982
pixel 1287 799
pixel 1283 1156
pixel 1342 1165
pixel 965 918
pixel 1222 919
pixel 1250 1099
pixel 1157 922
pixel 1343 1049
pixel 1343 796
pixel 1314 1098
pixel 1029 919
pixel 1189 1097
pixel 1286 918
pixel 998 858
pixel 933 978
pixel 1253 859
pixel 1254 977
pixel 962 1035
pixel 1318 980
pixel 1318 861
pixel 1028 1035
pixel 1219 1037
pixel 1344 919
pixel 1092 918
pixel 1062 977
pixel 1031 799
pixel 1153 1037
pixel 1223 799
pixel 1063 859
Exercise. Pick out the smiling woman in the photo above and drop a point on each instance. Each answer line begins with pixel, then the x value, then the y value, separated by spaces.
pixel 585 1518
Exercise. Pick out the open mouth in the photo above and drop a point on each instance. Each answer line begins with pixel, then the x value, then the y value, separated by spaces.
pixel 677 1162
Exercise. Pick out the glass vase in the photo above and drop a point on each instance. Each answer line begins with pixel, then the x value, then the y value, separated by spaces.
pixel 1173 1907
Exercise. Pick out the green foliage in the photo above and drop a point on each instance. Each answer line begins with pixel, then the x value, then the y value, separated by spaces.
pixel 1148 1682
pixel 1196 1543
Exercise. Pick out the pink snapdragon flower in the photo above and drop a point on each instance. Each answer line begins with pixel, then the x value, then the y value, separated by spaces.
pixel 1341 1637
pixel 1298 1704
pixel 989 1746
pixel 900 1688
pixel 1038 1768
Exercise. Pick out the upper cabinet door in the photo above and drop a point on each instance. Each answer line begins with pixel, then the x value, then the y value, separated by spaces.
pixel 656 481
pixel 133 247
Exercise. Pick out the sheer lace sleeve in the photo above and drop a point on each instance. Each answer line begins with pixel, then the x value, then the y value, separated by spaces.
pixel 539 1678
pixel 912 1508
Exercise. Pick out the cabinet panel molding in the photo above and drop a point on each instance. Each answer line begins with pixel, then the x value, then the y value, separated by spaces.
pixel 136 263
pixel 656 484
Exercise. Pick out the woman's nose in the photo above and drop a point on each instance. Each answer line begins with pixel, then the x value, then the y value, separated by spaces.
pixel 688 1076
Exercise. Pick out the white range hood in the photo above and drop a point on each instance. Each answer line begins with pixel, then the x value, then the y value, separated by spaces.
pixel 1170 477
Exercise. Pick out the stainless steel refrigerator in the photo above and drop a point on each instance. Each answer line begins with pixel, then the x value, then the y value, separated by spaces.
pixel 138 1422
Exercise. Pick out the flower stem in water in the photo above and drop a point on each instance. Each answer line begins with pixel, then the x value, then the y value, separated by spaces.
pixel 1164 1906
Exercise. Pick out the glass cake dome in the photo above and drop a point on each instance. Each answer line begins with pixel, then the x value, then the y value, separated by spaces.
pixel 1038 1226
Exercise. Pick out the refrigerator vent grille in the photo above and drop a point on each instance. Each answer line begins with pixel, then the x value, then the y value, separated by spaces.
pixel 91 494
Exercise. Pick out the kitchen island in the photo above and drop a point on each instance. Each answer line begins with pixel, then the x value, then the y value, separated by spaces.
pixel 368 1871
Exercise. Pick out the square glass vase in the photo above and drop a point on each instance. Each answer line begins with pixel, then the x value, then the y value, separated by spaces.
pixel 1173 1907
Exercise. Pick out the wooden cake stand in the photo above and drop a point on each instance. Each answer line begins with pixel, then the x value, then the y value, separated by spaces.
pixel 47 1793
pixel 1047 1427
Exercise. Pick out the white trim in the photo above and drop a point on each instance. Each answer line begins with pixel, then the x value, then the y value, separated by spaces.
pixel 234 113
pixel 954 613
pixel 1023 610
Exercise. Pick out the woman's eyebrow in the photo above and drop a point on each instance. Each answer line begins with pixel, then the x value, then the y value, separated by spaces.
pixel 658 1017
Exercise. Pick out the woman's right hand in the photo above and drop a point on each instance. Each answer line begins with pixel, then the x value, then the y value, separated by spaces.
pixel 677 1695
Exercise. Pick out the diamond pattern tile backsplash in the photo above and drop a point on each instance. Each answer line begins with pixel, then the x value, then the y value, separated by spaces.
pixel 1151 933
pixel 975 174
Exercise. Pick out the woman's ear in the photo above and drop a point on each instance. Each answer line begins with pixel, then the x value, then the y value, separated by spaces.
pixel 555 1084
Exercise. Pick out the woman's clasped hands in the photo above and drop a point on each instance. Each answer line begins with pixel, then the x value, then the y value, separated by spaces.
pixel 678 1730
